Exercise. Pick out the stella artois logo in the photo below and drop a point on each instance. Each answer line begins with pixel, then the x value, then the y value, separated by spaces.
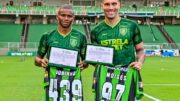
pixel 73 42
pixel 123 31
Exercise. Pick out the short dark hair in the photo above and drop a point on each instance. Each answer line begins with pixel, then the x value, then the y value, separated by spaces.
pixel 66 6
pixel 103 0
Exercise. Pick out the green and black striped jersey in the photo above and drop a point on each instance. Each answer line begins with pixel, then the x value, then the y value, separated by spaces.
pixel 123 37
pixel 117 84
pixel 65 85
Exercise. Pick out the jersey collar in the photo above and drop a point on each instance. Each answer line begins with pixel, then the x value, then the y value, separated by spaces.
pixel 63 34
pixel 114 24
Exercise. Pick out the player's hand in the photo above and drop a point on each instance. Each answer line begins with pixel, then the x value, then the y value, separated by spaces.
pixel 44 63
pixel 136 65
pixel 82 65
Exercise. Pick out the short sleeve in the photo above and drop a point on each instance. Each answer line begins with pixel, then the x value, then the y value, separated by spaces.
pixel 137 35
pixel 42 49
pixel 83 47
pixel 93 37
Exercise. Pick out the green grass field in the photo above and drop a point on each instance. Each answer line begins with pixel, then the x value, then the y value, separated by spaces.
pixel 22 81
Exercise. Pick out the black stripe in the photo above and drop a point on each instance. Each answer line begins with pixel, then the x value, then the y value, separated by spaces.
pixel 140 81
pixel 81 87
pixel 111 71
pixel 47 79
pixel 97 86
pixel 123 74
pixel 94 84
pixel 59 78
pixel 71 78
pixel 47 93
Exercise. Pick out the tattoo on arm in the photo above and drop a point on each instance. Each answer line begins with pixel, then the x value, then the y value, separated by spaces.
pixel 140 55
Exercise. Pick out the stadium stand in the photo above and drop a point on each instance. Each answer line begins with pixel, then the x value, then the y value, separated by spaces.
pixel 0 8
pixel 10 32
pixel 147 34
pixel 36 31
pixel 21 9
pixel 174 32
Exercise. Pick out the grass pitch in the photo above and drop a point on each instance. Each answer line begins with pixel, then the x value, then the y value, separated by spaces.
pixel 22 81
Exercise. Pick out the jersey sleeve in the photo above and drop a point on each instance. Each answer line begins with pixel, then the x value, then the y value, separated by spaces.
pixel 137 35
pixel 83 47
pixel 42 49
pixel 93 37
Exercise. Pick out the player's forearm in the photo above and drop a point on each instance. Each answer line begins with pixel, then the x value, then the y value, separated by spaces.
pixel 140 55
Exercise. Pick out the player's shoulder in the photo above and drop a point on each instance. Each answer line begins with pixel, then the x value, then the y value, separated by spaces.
pixel 77 32
pixel 48 33
pixel 125 20
pixel 98 26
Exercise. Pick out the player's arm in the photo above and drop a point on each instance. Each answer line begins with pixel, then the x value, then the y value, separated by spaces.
pixel 140 52
pixel 42 50
pixel 139 48
pixel 82 65
pixel 39 61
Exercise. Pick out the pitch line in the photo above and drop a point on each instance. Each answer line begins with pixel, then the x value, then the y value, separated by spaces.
pixel 162 84
pixel 151 97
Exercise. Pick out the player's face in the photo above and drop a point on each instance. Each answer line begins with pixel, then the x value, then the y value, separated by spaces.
pixel 110 8
pixel 65 17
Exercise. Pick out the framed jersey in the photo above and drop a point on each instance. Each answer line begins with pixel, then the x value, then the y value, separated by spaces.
pixel 118 84
pixel 63 58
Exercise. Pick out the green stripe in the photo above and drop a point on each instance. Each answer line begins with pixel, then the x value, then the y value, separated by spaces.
pixel 53 72
pixel 103 72
pixel 127 84
pixel 114 83
pixel 139 94
pixel 78 74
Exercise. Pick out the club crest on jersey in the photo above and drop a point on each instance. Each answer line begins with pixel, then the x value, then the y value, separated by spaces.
pixel 123 31
pixel 73 42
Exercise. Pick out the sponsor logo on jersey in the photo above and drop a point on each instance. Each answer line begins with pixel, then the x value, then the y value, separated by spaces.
pixel 123 31
pixel 104 35
pixel 55 42
pixel 117 43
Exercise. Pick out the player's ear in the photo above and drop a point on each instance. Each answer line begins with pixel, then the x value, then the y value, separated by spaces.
pixel 57 13
pixel 101 5
pixel 57 18
pixel 119 4
pixel 74 18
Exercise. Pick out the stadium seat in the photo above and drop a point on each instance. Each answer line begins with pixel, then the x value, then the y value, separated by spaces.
pixel 174 32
